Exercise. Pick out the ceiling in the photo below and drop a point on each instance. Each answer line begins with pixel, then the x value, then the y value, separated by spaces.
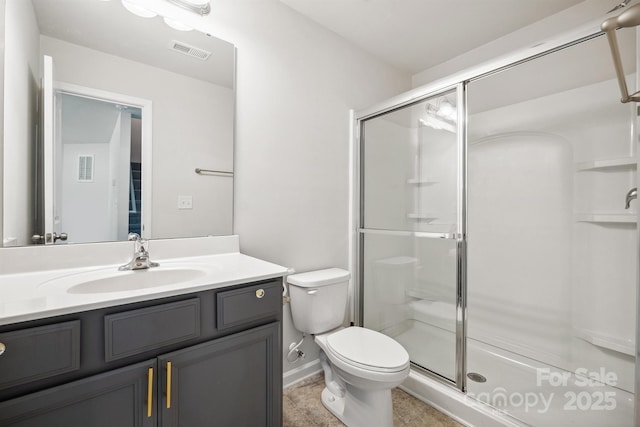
pixel 107 27
pixel 414 35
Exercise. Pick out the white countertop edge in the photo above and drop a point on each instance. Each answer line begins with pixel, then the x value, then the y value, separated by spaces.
pixel 54 312
pixel 26 297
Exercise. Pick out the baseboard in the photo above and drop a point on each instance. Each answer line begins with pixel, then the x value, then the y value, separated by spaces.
pixel 294 376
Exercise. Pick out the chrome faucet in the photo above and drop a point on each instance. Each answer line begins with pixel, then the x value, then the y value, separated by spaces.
pixel 140 258
pixel 632 194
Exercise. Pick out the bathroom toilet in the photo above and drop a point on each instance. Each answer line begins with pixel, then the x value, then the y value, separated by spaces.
pixel 360 365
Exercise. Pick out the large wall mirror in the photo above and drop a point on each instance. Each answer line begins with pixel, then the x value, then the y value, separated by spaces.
pixel 113 123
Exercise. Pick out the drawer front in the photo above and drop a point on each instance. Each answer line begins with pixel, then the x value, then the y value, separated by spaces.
pixel 136 331
pixel 249 304
pixel 36 353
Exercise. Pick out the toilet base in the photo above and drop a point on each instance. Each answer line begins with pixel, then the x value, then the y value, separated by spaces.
pixel 360 409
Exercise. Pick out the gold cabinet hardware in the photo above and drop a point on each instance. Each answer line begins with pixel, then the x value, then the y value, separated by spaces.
pixel 149 392
pixel 2 348
pixel 260 293
pixel 168 385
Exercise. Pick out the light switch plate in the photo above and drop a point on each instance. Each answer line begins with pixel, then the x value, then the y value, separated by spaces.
pixel 185 202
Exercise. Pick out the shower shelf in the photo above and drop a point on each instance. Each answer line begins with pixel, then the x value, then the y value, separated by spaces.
pixel 422 217
pixel 621 162
pixel 422 294
pixel 424 181
pixel 630 218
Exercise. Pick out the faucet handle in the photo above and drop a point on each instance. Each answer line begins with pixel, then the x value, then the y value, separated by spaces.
pixel 140 244
pixel 134 237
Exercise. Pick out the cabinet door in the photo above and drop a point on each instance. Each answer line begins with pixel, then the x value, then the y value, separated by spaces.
pixel 116 398
pixel 232 381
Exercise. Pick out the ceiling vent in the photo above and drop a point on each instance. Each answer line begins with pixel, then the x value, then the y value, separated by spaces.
pixel 188 50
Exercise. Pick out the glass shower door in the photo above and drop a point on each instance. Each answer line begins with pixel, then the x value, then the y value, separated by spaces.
pixel 410 228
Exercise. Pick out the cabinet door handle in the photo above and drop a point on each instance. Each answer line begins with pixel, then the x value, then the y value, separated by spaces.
pixel 2 348
pixel 149 392
pixel 168 385
pixel 260 293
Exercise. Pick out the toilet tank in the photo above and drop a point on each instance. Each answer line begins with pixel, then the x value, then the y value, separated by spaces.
pixel 319 299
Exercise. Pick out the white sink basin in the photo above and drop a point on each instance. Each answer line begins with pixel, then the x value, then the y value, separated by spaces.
pixel 112 280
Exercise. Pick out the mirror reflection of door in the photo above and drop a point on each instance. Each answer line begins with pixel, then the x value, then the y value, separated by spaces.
pixel 98 169
pixel 90 185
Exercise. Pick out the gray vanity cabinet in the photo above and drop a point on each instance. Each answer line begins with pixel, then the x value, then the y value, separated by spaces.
pixel 206 359
pixel 115 398
pixel 226 382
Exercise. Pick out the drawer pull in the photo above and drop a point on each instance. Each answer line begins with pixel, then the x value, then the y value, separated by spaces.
pixel 260 293
pixel 2 348
pixel 168 385
pixel 149 392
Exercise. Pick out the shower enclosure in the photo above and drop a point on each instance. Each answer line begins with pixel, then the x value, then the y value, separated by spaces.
pixel 493 239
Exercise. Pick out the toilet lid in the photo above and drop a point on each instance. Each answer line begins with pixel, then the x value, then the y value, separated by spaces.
pixel 369 348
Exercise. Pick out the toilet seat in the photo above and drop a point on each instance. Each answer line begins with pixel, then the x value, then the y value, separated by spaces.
pixel 368 350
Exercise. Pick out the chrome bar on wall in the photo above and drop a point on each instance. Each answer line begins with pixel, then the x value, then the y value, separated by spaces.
pixel 627 19
pixel 200 171
pixel 425 234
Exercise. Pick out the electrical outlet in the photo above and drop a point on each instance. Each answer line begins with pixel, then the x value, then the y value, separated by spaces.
pixel 185 202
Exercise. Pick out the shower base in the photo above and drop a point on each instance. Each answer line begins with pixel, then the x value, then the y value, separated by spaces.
pixel 518 391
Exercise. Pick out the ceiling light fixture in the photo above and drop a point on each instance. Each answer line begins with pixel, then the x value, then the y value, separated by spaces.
pixel 441 114
pixel 138 10
pixel 201 7
pixel 445 109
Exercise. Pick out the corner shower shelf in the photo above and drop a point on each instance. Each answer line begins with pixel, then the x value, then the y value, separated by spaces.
pixel 629 218
pixel 422 217
pixel 421 294
pixel 621 162
pixel 421 181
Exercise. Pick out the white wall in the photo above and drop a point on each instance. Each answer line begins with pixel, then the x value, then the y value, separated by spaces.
pixel 296 84
pixel 22 69
pixel 178 146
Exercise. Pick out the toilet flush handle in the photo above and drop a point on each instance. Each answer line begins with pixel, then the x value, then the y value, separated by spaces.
pixel 312 291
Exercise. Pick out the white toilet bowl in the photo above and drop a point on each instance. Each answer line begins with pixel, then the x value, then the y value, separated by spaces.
pixel 361 367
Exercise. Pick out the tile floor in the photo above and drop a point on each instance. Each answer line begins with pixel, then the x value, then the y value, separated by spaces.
pixel 303 408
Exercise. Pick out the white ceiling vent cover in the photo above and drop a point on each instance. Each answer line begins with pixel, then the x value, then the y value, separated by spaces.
pixel 189 50
pixel 85 168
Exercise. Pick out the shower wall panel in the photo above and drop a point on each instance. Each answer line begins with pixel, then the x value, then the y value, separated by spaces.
pixel 519 266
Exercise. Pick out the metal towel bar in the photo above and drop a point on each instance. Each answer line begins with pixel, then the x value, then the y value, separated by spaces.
pixel 627 19
pixel 200 171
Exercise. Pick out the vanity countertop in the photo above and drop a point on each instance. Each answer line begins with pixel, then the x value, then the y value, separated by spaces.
pixel 47 293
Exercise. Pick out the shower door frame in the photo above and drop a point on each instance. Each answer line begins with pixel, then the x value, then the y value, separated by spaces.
pixel 459 236
pixel 460 81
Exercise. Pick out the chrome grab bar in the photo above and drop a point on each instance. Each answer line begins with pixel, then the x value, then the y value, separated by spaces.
pixel 201 171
